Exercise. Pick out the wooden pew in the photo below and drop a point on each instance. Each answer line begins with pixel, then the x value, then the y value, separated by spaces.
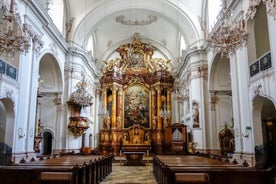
pixel 199 178
pixel 179 169
pixel 93 168
pixel 56 177
pixel 34 174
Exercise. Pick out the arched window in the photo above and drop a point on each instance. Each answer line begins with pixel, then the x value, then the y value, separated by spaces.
pixel 182 44
pixel 90 45
pixel 214 7
pixel 56 12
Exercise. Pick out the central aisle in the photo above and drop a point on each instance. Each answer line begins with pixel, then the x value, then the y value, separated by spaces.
pixel 130 175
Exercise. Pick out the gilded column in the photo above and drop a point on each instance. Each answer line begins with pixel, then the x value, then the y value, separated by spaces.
pixel 113 111
pixel 169 107
pixel 104 99
pixel 159 123
pixel 119 107
pixel 153 103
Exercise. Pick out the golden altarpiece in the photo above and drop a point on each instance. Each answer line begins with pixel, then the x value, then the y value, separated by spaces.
pixel 136 89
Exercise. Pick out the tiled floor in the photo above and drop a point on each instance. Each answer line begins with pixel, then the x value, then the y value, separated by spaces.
pixel 130 175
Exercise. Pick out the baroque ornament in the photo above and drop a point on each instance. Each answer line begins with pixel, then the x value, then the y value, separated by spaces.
pixel 121 19
pixel 136 57
pixel 269 4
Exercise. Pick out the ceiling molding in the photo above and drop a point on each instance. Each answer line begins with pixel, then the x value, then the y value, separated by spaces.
pixel 136 22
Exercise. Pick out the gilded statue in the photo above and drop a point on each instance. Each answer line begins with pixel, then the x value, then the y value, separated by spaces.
pixel 196 117
pixel 119 122
pixel 147 137
pixel 153 123
pixel 107 122
pixel 160 64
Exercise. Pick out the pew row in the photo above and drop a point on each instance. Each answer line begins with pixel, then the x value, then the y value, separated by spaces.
pixel 61 170
pixel 32 174
pixel 194 169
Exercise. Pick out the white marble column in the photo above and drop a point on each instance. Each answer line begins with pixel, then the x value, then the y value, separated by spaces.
pixel 244 97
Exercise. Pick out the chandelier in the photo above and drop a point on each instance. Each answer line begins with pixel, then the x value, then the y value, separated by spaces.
pixel 13 39
pixel 165 113
pixel 81 96
pixel 227 37
pixel 103 112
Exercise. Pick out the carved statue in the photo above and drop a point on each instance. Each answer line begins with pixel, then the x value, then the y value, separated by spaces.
pixel 160 64
pixel 119 122
pixel 147 137
pixel 39 128
pixel 125 138
pixel 166 122
pixel 196 117
pixel 153 123
pixel 107 122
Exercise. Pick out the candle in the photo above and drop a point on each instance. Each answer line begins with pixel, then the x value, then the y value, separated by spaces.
pixel 120 152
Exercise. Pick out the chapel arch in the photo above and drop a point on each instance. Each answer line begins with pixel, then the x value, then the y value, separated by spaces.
pixel 220 97
pixel 220 74
pixel 50 73
pixel 49 97
pixel 264 128
pixel 7 121
pixel 47 137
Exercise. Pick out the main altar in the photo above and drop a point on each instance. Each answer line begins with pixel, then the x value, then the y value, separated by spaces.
pixel 136 96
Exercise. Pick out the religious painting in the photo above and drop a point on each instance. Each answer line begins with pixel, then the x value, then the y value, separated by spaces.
pixel 2 66
pixel 136 106
pixel 265 62
pixel 11 71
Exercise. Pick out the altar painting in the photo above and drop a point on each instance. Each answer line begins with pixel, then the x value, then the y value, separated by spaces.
pixel 136 106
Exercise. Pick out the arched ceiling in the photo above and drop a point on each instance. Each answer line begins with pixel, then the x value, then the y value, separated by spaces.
pixel 170 19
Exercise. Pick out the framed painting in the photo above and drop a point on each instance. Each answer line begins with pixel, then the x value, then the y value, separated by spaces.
pixel 136 106
pixel 254 68
pixel 11 71
pixel 2 66
pixel 265 62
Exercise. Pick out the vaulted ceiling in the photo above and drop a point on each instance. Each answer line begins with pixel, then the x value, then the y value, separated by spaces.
pixel 112 23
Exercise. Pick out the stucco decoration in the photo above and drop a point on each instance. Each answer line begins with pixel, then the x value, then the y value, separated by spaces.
pixel 9 90
pixel 256 89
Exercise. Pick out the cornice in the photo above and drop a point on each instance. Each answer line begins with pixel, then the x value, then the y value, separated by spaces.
pixel 185 58
pixel 74 51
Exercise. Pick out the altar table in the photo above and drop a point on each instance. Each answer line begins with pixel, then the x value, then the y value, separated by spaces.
pixel 134 158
